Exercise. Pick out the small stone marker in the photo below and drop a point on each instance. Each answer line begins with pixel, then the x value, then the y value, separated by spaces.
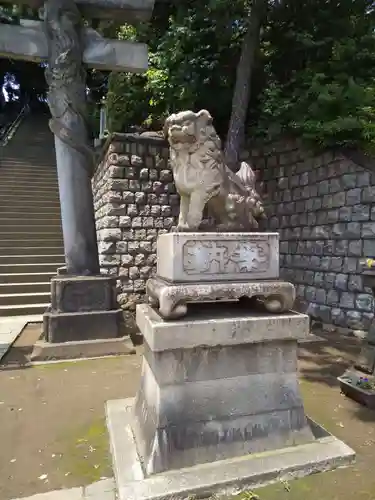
pixel 364 366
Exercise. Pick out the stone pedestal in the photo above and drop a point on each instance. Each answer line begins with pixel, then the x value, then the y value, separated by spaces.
pixel 82 308
pixel 206 267
pixel 219 406
pixel 218 384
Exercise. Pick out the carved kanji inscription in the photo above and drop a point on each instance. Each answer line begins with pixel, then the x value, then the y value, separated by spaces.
pixel 213 257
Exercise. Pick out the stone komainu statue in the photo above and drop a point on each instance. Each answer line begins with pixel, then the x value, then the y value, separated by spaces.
pixel 202 177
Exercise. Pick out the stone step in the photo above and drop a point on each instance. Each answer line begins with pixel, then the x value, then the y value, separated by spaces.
pixel 11 179
pixel 37 157
pixel 52 214
pixel 28 186
pixel 23 309
pixel 45 179
pixel 25 190
pixel 36 287
pixel 34 238
pixel 14 201
pixel 17 299
pixel 42 229
pixel 37 209
pixel 46 193
pixel 13 222
pixel 24 277
pixel 28 168
pixel 29 180
pixel 30 259
pixel 35 251
pixel 50 267
pixel 16 242
pixel 53 217
pixel 28 195
pixel 51 211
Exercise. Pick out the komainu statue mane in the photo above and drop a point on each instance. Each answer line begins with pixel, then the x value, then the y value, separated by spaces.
pixel 202 177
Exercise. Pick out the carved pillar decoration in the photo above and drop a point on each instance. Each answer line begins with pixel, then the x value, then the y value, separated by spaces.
pixel 66 77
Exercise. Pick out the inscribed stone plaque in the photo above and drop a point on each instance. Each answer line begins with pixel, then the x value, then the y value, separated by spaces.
pixel 195 257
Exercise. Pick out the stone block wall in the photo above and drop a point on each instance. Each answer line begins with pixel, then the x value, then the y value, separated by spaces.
pixel 323 206
pixel 135 200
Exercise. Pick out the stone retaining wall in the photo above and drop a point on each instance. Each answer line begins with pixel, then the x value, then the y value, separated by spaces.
pixel 135 200
pixel 323 206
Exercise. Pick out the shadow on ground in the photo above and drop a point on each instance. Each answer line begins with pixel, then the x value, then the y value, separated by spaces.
pixel 325 361
pixel 52 431
pixel 319 365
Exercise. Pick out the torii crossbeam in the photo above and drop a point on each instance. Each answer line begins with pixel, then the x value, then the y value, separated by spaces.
pixel 122 10
pixel 30 44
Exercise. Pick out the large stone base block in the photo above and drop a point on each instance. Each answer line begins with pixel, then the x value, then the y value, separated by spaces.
pixel 93 325
pixel 226 386
pixel 221 477
pixel 179 426
pixel 82 308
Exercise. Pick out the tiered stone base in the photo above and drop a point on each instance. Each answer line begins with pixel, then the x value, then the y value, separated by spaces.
pixel 214 399
pixel 218 386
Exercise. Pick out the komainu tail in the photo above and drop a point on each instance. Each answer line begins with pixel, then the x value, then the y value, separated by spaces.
pixel 247 176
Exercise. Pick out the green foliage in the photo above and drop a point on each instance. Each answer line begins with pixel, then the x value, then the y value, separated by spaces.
pixel 192 63
pixel 314 76
pixel 126 101
pixel 319 60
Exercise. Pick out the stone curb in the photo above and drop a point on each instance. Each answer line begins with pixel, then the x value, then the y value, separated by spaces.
pixel 10 329
pixel 101 490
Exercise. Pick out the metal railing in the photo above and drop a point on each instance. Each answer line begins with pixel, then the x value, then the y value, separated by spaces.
pixel 8 130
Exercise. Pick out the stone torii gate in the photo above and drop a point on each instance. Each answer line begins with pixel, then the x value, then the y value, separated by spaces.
pixel 83 302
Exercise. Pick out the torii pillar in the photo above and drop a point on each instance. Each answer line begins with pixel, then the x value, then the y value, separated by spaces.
pixel 83 305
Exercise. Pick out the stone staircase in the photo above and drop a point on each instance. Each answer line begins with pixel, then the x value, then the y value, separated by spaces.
pixel 31 245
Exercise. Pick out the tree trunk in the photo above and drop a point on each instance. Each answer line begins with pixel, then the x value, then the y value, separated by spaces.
pixel 241 95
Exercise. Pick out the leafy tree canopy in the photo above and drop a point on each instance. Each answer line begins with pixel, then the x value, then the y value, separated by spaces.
pixel 318 60
pixel 313 75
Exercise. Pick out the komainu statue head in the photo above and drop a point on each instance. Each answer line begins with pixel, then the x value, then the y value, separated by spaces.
pixel 202 178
